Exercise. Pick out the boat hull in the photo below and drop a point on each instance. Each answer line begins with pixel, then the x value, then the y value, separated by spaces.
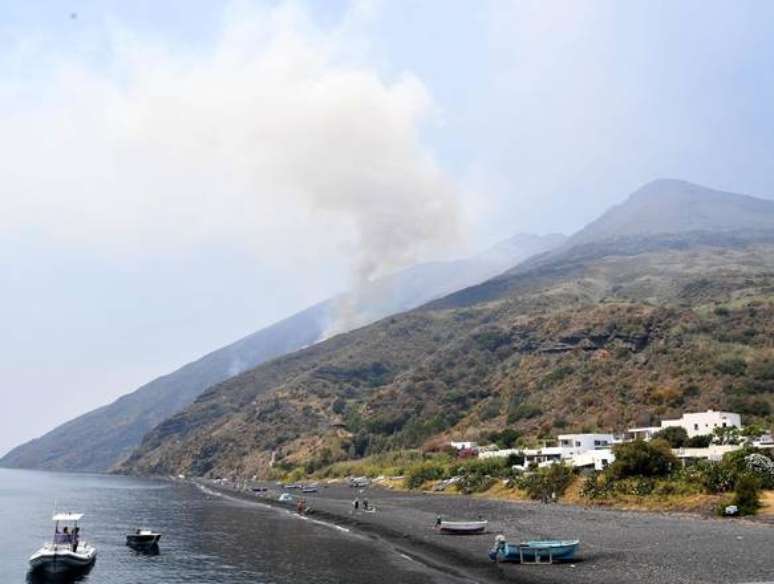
pixel 143 540
pixel 536 551
pixel 463 527
pixel 62 561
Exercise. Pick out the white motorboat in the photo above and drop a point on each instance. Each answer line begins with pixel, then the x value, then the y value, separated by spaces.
pixel 67 552
pixel 143 538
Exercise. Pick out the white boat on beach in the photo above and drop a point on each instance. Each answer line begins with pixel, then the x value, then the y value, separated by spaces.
pixel 462 527
pixel 66 553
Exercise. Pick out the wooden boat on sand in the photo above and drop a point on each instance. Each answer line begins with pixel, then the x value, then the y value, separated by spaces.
pixel 546 551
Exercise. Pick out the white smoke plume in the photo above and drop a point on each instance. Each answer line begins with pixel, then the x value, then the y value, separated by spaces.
pixel 274 140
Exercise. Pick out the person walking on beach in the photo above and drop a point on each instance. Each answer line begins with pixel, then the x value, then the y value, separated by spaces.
pixel 356 504
pixel 365 504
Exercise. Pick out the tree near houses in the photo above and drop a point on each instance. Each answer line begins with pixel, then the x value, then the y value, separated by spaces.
pixel 677 436
pixel 644 459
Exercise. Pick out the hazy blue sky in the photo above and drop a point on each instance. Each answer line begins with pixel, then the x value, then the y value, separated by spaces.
pixel 178 174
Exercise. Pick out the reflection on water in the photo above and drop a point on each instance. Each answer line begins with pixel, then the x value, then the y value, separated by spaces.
pixel 206 539
pixel 40 577
pixel 146 550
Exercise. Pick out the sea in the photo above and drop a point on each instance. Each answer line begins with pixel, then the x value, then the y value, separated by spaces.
pixel 206 537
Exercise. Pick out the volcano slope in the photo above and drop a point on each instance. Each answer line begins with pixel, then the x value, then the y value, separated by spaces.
pixel 592 343
pixel 602 334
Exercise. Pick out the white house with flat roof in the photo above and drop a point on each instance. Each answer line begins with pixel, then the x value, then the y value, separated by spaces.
pixel 703 423
pixel 695 424
pixel 584 442
pixel 568 447
pixel 598 459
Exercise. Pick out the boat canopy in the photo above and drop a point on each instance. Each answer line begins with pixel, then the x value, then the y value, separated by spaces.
pixel 67 517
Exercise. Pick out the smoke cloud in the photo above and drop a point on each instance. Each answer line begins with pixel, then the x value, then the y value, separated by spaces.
pixel 277 140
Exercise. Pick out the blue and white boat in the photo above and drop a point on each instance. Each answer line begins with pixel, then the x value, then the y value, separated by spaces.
pixel 544 551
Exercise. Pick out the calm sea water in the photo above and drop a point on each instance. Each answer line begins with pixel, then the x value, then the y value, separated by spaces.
pixel 206 538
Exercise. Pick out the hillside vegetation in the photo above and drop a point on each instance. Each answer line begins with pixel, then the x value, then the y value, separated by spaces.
pixel 114 431
pixel 597 338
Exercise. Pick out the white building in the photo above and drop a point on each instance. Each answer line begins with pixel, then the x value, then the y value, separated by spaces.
pixel 695 424
pixel 598 459
pixel 703 423
pixel 464 445
pixel 583 442
pixel 569 446
pixel 713 452
pixel 502 453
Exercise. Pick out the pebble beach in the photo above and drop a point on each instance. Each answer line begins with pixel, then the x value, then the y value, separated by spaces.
pixel 616 546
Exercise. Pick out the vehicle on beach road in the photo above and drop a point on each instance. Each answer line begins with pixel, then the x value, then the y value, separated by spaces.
pixel 66 553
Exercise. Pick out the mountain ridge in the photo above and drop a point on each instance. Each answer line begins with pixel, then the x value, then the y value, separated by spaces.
pixel 593 335
pixel 114 430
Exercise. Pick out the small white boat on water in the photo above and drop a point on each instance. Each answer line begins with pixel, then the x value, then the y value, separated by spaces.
pixel 67 552
pixel 143 538
pixel 462 527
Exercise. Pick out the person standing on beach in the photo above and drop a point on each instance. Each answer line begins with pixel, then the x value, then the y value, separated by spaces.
pixel 356 504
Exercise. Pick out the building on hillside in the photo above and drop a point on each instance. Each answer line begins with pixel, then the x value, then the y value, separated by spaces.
pixel 703 423
pixel 765 441
pixel 584 442
pixel 644 433
pixel 714 453
pixel 594 459
pixel 568 447
pixel 695 424
pixel 500 453
pixel 464 445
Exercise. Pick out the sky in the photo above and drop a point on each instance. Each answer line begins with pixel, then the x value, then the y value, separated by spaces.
pixel 178 174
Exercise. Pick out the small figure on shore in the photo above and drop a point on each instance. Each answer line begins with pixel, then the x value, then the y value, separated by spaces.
pixel 553 496
pixel 356 504
pixel 365 504
pixel 301 507
pixel 438 520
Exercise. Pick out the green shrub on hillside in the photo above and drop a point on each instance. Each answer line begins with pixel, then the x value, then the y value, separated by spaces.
pixel 523 412
pixel 735 366
pixel 544 482
pixel 716 477
pixel 701 441
pixel 597 486
pixel 505 439
pixel 419 474
pixel 762 467
pixel 640 458
pixel 747 494
pixel 675 435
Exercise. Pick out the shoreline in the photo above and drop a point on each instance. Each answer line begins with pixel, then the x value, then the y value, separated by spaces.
pixel 436 558
pixel 616 545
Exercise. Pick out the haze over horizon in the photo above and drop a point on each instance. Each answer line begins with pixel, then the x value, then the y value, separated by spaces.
pixel 171 185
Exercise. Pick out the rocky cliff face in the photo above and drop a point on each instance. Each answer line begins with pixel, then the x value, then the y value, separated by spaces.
pixel 599 335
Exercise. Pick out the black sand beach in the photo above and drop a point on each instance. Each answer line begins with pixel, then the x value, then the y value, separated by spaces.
pixel 616 546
